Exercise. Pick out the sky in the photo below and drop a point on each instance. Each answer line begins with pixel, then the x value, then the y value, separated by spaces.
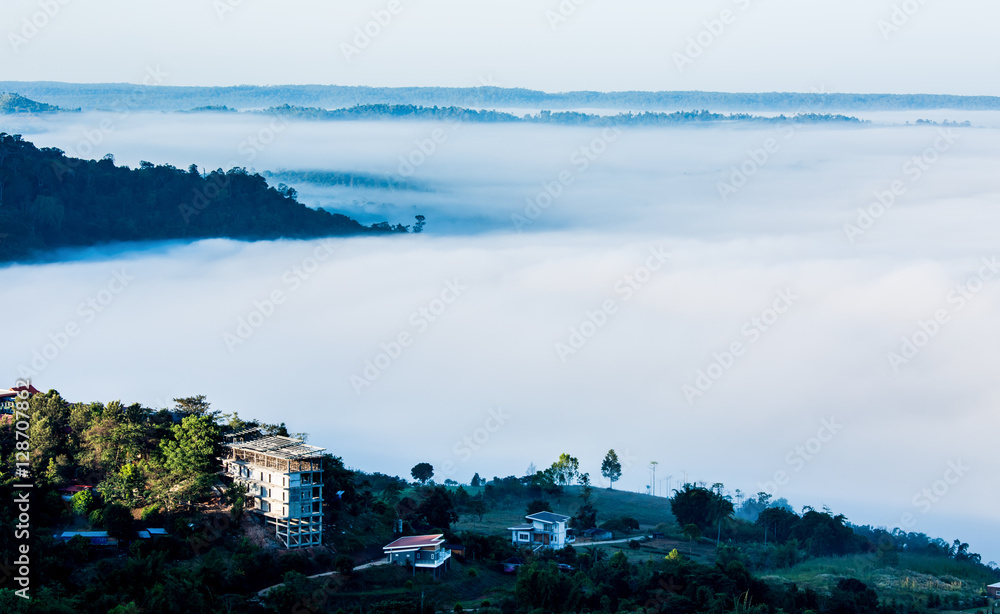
pixel 872 46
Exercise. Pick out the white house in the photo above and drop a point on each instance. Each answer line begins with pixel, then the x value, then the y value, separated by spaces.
pixel 546 530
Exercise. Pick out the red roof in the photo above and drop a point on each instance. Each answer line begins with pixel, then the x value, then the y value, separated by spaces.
pixel 31 390
pixel 416 541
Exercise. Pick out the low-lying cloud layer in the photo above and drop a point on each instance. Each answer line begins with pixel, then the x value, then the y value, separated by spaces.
pixel 768 335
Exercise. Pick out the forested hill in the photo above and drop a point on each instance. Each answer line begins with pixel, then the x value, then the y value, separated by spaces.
pixel 15 103
pixel 461 114
pixel 118 96
pixel 50 201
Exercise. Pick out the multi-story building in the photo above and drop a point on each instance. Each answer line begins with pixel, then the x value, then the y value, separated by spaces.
pixel 546 530
pixel 284 479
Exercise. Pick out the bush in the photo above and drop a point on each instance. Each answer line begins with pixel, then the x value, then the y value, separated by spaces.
pixel 458 608
pixel 153 513
pixel 118 520
pixel 344 565
pixel 622 524
pixel 633 544
pixel 82 502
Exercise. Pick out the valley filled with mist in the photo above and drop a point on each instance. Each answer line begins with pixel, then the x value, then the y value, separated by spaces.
pixel 599 277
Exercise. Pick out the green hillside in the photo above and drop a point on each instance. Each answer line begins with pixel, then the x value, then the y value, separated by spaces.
pixel 15 103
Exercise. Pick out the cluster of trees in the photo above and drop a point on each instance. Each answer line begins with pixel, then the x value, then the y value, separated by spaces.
pixel 147 468
pixel 569 118
pixel 173 98
pixel 50 201
pixel 345 179
pixel 603 583
pixel 773 535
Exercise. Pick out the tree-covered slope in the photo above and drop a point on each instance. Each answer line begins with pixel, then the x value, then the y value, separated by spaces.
pixel 15 103
pixel 50 201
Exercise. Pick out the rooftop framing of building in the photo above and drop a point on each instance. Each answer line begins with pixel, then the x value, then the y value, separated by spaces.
pixel 284 482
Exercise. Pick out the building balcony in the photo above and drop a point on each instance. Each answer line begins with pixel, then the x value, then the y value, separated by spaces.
pixel 432 559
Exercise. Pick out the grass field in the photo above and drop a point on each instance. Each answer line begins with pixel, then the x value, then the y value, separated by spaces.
pixel 914 575
pixel 647 510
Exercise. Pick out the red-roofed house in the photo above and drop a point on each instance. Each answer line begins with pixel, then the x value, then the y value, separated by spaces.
pixel 8 397
pixel 426 551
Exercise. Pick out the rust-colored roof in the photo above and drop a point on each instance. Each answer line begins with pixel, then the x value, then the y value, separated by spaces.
pixel 415 541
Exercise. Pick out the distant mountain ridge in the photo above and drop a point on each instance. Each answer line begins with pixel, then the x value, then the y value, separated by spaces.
pixel 119 96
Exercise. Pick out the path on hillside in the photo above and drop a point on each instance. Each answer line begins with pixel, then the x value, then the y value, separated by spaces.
pixel 611 541
pixel 368 565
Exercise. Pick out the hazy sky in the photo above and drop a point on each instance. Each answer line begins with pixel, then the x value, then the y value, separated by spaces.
pixel 757 45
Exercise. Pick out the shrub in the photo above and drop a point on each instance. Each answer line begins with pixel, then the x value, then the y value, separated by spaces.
pixel 82 502
pixel 344 565
pixel 153 513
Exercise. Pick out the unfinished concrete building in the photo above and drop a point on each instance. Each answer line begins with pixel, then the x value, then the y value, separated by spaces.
pixel 284 479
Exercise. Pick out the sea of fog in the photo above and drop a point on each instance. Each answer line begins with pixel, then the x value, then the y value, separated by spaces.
pixel 808 311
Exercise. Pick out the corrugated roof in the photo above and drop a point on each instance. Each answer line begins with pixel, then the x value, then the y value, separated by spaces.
pixel 522 527
pixel 548 517
pixel 278 446
pixel 415 541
